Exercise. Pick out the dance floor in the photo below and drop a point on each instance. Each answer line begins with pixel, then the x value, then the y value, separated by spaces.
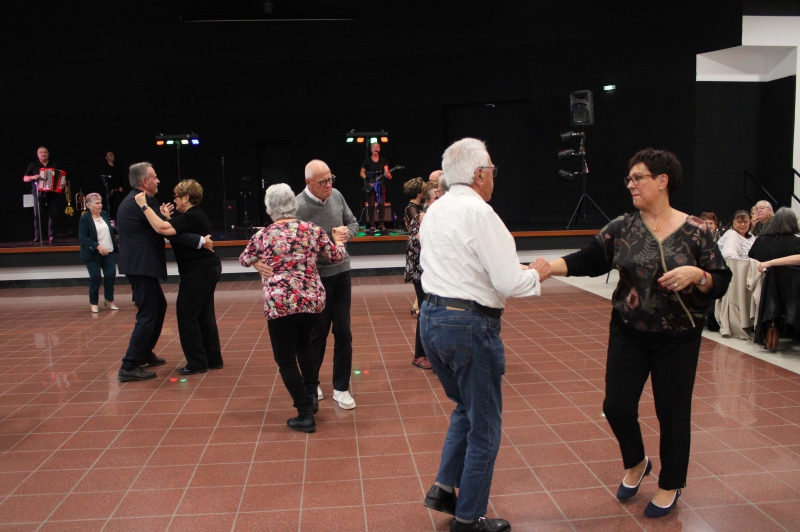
pixel 81 451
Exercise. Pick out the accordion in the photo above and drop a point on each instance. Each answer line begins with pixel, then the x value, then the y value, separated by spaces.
pixel 52 180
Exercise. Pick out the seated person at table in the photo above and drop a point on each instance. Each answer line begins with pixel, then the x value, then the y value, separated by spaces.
pixel 737 241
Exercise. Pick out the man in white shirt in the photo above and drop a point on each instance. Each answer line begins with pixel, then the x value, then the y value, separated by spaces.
pixel 470 266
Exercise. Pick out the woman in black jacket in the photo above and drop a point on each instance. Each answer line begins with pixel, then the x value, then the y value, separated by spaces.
pixel 778 238
pixel 200 270
pixel 97 247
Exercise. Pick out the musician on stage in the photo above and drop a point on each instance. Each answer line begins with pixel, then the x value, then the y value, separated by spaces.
pixel 46 202
pixel 115 182
pixel 372 167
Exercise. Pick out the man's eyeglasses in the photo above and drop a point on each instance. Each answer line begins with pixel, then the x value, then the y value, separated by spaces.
pixel 494 170
pixel 635 178
pixel 326 182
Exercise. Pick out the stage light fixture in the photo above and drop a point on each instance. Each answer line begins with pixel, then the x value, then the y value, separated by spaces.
pixel 363 136
pixel 567 135
pixel 360 140
pixel 608 88
pixel 170 142
pixel 350 139
pixel 373 140
pixel 184 141
pixel 159 143
pixel 178 140
pixel 384 139
pixel 195 142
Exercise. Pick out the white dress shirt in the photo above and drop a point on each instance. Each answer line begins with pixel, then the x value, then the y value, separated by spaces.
pixel 103 234
pixel 468 253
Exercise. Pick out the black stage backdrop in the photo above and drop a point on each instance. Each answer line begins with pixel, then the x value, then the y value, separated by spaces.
pixel 269 97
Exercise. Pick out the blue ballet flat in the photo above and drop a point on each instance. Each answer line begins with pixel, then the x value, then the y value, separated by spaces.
pixel 653 510
pixel 626 492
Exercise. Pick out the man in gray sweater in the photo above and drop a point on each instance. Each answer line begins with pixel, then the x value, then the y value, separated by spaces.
pixel 325 206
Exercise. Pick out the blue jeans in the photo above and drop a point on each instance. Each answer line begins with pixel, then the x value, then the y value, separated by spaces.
pixel 466 352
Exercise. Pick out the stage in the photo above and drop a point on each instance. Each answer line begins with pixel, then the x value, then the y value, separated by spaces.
pixel 25 265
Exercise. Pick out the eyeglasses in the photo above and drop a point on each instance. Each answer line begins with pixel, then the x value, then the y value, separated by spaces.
pixel 762 208
pixel 326 182
pixel 494 169
pixel 635 178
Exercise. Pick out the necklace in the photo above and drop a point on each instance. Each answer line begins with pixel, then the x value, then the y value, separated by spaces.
pixel 655 227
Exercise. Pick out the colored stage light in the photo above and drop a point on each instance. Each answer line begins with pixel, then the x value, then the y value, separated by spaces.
pixel 173 379
pixel 357 372
pixel 184 141
pixel 384 139
pixel 159 143
pixel 183 380
pixel 609 87
pixel 195 142
pixel 360 140
pixel 366 372
pixel 170 142
pixel 373 140
pixel 350 139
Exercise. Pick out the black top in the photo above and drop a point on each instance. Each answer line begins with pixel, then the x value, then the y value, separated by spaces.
pixel 371 166
pixel 141 249
pixel 627 245
pixel 411 213
pixel 194 220
pixel 768 247
pixel 33 169
pixel 115 172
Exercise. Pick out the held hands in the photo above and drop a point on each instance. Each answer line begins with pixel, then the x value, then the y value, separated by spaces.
pixel 262 268
pixel 167 209
pixel 208 244
pixel 680 278
pixel 543 267
pixel 340 234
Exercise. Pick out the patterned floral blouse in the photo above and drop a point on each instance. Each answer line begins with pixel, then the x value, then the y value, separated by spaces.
pixel 291 249
pixel 627 245
pixel 413 269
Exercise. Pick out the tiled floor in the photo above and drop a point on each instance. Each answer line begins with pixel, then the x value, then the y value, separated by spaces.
pixel 81 451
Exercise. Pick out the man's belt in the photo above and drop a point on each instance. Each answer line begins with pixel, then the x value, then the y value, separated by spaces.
pixel 439 301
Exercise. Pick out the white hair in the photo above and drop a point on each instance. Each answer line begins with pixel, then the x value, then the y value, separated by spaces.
pixel 280 202
pixel 316 166
pixel 461 159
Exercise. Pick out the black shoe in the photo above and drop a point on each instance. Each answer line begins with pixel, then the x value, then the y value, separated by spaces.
pixel 190 371
pixel 482 524
pixel 314 401
pixel 441 500
pixel 626 492
pixel 216 366
pixel 306 424
pixel 135 374
pixel 152 360
pixel 653 511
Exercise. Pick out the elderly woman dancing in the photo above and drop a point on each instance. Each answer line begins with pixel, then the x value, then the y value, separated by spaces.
pixel 97 246
pixel 670 270
pixel 200 271
pixel 293 294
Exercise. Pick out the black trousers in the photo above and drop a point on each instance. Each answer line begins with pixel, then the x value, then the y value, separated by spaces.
pixel 106 265
pixel 338 297
pixel 672 365
pixel 290 337
pixel 47 204
pixel 419 351
pixel 197 322
pixel 149 297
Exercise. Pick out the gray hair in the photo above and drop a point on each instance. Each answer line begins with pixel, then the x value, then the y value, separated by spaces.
pixel 316 166
pixel 783 222
pixel 461 159
pixel 280 202
pixel 137 172
pixel 766 204
pixel 91 198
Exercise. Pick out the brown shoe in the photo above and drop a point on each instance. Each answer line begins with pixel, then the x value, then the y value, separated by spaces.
pixel 422 362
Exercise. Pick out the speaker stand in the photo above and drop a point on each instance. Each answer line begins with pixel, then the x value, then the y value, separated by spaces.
pixel 580 209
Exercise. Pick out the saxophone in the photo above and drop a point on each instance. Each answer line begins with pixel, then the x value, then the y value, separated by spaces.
pixel 80 201
pixel 69 211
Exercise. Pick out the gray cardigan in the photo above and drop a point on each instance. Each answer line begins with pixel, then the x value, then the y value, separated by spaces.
pixel 333 213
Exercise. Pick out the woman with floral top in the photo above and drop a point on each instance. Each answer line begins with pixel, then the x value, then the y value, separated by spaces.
pixel 413 273
pixel 293 294
pixel 670 270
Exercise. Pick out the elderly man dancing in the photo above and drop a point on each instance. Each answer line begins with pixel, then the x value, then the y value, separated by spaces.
pixel 470 266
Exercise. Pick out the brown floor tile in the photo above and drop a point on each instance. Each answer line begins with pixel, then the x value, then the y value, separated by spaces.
pixel 333 520
pixel 149 503
pixel 88 506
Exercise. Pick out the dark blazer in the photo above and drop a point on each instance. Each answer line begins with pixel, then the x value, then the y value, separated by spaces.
pixel 87 232
pixel 141 249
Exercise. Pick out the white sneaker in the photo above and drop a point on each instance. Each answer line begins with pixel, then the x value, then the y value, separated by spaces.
pixel 320 397
pixel 344 399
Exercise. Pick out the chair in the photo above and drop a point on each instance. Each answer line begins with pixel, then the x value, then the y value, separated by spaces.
pixel 780 301
pixel 734 311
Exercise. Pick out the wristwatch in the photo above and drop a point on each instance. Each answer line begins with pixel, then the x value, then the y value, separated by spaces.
pixel 703 280
pixel 144 208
